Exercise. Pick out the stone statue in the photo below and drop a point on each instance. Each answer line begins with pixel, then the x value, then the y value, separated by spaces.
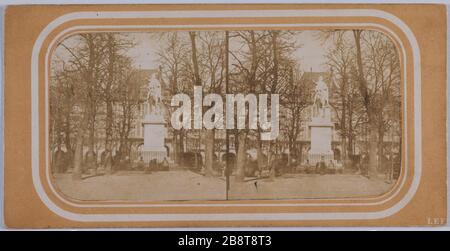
pixel 154 126
pixel 320 98
pixel 321 127
pixel 154 95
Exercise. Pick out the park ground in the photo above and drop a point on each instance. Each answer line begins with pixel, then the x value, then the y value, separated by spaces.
pixel 188 185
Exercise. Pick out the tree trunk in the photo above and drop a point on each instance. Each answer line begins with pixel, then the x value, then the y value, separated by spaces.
pixel 197 79
pixel 109 105
pixel 91 105
pixel 380 147
pixel 300 153
pixel 78 156
pixel 241 157
pixel 67 131
pixel 108 139
pixel 176 145
pixel 275 58
pixel 344 134
pixel 90 155
pixel 363 89
pixel 181 146
pixel 270 161
pixel 209 152
pixel 349 148
pixel 373 145
pixel 259 153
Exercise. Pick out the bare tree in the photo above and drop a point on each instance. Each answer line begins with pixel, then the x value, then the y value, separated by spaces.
pixel 347 105
pixel 212 58
pixel 115 64
pixel 367 96
pixel 128 100
pixel 277 77
pixel 173 58
pixel 245 67
pixel 383 73
pixel 368 64
pixel 91 67
pixel 86 59
pixel 297 99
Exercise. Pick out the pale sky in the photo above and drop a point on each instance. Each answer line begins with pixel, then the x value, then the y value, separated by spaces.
pixel 311 54
pixel 144 53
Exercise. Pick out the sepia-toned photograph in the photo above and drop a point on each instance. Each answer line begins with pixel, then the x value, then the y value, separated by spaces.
pixel 225 115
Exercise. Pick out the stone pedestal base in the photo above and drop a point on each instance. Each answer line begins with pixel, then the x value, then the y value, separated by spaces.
pixel 148 156
pixel 317 157
pixel 321 130
pixel 154 136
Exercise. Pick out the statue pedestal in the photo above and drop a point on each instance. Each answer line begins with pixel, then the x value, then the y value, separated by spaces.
pixel 155 132
pixel 321 127
pixel 321 130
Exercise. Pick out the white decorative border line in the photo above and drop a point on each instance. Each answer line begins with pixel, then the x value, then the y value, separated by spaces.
pixel 123 28
pixel 227 14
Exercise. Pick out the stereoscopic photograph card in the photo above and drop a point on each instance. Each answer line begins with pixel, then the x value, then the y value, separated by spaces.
pixel 225 115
